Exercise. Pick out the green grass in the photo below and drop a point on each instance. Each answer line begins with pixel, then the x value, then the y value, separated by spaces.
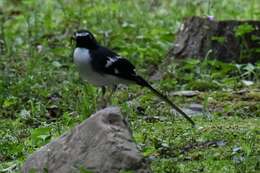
pixel 42 95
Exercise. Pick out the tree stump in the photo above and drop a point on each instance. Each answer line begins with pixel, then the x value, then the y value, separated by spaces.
pixel 228 40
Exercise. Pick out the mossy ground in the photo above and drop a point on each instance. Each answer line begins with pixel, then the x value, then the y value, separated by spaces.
pixel 42 95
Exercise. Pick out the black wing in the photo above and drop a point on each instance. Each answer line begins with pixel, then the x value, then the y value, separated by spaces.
pixel 108 62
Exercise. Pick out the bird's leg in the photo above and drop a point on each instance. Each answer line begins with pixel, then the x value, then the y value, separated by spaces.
pixel 109 97
pixel 114 89
pixel 103 90
pixel 106 99
pixel 101 103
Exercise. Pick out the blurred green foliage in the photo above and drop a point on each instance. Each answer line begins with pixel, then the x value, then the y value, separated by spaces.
pixel 42 96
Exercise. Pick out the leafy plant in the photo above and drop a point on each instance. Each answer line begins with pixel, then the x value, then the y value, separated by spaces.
pixel 42 95
pixel 243 29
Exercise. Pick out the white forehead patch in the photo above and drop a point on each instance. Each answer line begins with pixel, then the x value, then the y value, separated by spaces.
pixel 82 34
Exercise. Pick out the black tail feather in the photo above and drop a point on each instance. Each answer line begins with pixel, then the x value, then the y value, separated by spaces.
pixel 140 81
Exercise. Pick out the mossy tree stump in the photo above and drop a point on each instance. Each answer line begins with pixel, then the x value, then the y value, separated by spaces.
pixel 229 40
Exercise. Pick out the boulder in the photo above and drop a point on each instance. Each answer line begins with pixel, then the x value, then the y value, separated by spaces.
pixel 101 144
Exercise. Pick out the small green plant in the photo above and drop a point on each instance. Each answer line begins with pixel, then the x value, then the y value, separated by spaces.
pixel 242 32
pixel 84 170
pixel 41 136
pixel 243 29
pixel 42 95
pixel 219 39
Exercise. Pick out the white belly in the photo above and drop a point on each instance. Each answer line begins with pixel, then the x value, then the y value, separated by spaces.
pixel 83 62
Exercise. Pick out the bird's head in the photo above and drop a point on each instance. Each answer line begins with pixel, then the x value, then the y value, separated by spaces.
pixel 85 39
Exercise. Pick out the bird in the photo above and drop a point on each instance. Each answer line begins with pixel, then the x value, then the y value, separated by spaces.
pixel 103 67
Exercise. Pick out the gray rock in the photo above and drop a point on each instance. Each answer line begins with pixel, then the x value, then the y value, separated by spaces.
pixel 102 144
pixel 195 109
pixel 185 93
pixel 156 76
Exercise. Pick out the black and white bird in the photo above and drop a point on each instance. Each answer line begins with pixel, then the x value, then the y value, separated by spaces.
pixel 102 67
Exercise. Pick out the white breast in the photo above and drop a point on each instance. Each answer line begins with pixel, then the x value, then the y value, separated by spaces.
pixel 83 61
pixel 81 55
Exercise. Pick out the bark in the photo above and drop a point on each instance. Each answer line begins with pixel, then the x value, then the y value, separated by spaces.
pixel 228 40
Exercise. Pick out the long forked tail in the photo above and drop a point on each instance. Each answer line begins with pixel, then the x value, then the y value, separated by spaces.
pixel 140 81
